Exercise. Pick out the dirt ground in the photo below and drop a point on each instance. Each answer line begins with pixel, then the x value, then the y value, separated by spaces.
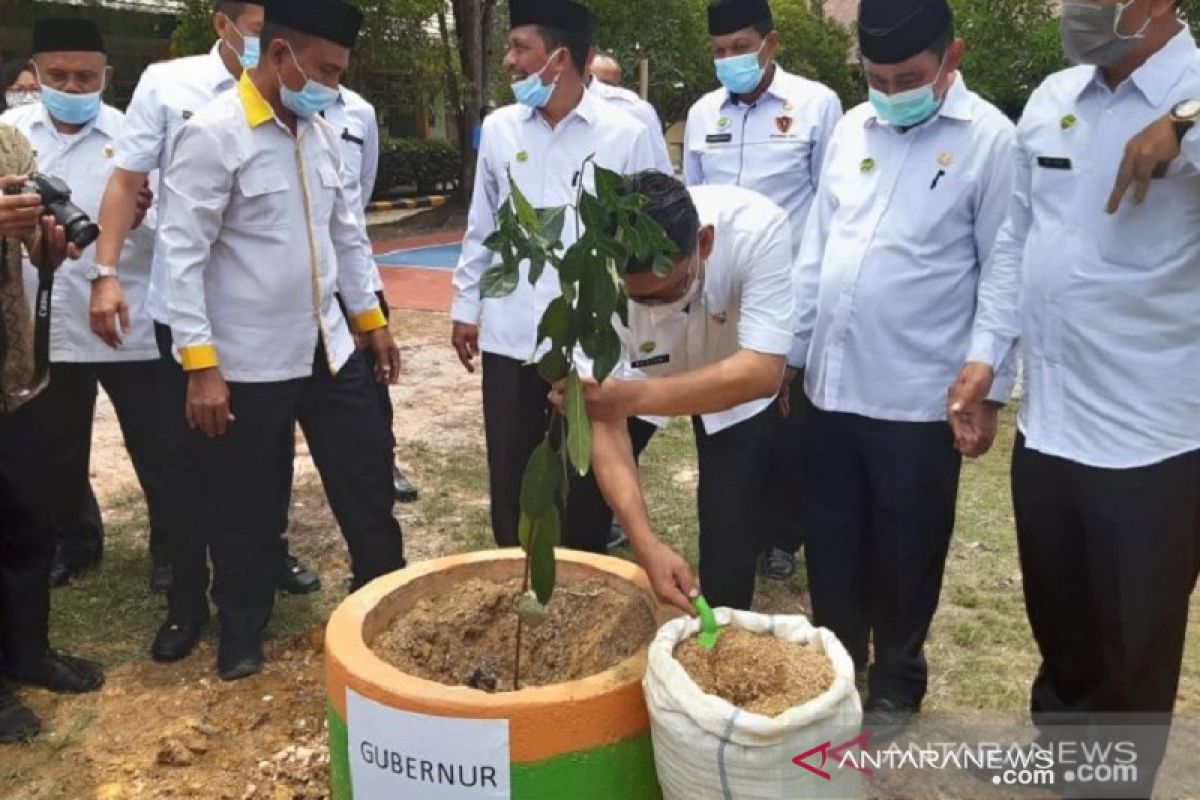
pixel 175 731
pixel 466 635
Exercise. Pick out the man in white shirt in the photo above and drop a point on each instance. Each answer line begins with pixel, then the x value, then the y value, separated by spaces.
pixel 605 80
pixel 709 341
pixel 767 130
pixel 73 132
pixel 916 184
pixel 167 95
pixel 542 142
pixel 1106 471
pixel 257 179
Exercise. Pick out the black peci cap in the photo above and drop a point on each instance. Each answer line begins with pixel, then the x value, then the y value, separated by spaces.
pixel 731 16
pixel 66 35
pixel 891 31
pixel 333 20
pixel 566 15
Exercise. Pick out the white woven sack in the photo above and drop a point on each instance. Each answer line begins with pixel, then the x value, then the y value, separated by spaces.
pixel 707 749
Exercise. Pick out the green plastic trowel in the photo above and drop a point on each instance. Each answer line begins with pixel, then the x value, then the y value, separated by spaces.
pixel 710 631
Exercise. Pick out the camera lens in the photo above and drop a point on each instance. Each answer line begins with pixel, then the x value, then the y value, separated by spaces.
pixel 81 231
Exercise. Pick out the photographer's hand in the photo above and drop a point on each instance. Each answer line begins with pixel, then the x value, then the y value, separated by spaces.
pixel 50 247
pixel 19 213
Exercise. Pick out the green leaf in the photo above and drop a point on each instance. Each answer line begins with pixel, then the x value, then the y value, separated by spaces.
pixel 608 184
pixel 663 266
pixel 594 215
pixel 537 265
pixel 623 308
pixel 551 221
pixel 576 260
pixel 525 210
pixel 557 323
pixel 499 281
pixel 579 429
pixel 608 353
pixel 539 485
pixel 541 556
pixel 553 367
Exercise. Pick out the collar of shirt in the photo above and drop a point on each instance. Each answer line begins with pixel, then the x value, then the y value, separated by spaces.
pixel 258 111
pixel 775 89
pixel 585 110
pixel 1155 78
pixel 958 105
pixel 106 122
pixel 219 75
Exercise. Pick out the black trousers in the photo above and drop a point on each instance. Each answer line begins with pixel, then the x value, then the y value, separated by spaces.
pixel 241 474
pixel 785 481
pixel 516 416
pixel 183 485
pixel 879 512
pixel 1109 559
pixel 26 547
pixel 373 387
pixel 61 418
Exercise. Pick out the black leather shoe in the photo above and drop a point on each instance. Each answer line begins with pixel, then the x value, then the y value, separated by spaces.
pixel 779 564
pixel 887 718
pixel 402 487
pixel 67 565
pixel 175 640
pixel 161 578
pixel 59 672
pixel 295 578
pixel 17 722
pixel 616 537
pixel 238 659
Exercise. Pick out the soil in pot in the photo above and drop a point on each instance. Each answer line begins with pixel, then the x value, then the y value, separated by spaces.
pixel 466 635
pixel 756 672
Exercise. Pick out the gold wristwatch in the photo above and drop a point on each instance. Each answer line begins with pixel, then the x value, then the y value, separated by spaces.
pixel 1184 117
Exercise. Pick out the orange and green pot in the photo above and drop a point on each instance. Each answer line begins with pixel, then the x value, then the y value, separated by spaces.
pixel 395 735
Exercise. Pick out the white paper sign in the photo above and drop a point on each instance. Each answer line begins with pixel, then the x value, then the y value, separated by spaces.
pixel 399 755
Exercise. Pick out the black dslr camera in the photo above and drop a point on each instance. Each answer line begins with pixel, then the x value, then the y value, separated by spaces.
pixel 56 198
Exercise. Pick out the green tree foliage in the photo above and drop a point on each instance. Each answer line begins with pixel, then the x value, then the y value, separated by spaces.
pixel 820 48
pixel 193 32
pixel 397 63
pixel 1011 46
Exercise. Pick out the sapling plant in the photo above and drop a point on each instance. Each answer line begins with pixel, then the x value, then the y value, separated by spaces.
pixel 613 230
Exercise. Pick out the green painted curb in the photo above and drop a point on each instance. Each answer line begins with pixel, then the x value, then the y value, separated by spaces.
pixel 625 770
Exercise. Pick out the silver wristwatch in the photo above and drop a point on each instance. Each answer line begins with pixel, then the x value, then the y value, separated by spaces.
pixel 97 271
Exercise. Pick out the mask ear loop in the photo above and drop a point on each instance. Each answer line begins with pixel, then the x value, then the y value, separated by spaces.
pixel 1121 9
pixel 546 66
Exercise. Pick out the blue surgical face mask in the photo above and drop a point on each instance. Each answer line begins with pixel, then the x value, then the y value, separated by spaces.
pixel 907 109
pixel 71 109
pixel 310 100
pixel 741 74
pixel 251 47
pixel 531 92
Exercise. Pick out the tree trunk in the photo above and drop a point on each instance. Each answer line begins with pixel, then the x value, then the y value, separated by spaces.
pixel 473 21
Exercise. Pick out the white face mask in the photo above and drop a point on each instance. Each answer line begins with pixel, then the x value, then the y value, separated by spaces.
pixel 15 99
pixel 1090 33
pixel 661 313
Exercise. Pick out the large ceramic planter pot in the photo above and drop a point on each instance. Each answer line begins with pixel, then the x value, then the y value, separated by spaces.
pixel 392 735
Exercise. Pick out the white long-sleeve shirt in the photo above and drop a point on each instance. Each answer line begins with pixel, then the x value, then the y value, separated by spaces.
pixel 1107 308
pixel 546 164
pixel 353 120
pixel 85 161
pixel 775 146
pixel 889 268
pixel 630 101
pixel 167 95
pixel 257 237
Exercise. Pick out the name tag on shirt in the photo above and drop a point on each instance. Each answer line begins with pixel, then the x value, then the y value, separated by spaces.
pixel 719 138
pixel 349 137
pixel 656 361
pixel 1047 162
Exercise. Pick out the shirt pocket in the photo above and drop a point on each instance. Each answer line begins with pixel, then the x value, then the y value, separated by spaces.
pixel 777 163
pixel 1143 236
pixel 323 195
pixel 935 208
pixel 263 200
